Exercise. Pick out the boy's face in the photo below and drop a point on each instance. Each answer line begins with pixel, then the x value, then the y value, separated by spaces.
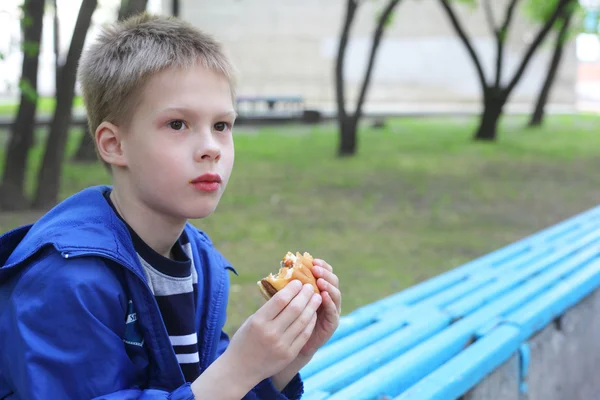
pixel 178 145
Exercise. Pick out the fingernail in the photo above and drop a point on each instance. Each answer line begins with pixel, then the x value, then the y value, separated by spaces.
pixel 319 270
pixel 297 284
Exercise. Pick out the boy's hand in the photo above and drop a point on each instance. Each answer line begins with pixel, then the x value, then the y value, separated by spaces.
pixel 328 315
pixel 272 338
pixel 328 318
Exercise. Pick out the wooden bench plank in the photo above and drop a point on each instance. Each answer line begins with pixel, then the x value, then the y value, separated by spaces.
pixel 461 373
pixel 352 368
pixel 476 300
pixel 398 342
pixel 555 302
pixel 466 369
pixel 358 340
pixel 404 371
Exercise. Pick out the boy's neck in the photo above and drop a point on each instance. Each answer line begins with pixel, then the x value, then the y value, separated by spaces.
pixel 157 231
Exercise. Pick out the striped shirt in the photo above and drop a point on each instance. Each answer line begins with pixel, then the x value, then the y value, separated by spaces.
pixel 174 283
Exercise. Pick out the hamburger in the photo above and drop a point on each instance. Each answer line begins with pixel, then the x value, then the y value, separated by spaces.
pixel 293 266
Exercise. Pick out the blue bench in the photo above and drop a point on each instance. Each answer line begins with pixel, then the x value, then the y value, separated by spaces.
pixel 442 337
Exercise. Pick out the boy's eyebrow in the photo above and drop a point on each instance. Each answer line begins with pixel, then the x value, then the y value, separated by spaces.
pixel 231 113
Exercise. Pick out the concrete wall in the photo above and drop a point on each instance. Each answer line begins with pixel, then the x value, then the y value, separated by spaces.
pixel 288 48
pixel 564 361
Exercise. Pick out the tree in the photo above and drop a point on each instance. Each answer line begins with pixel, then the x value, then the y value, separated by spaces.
pixel 563 24
pixel 348 122
pixel 496 94
pixel 129 8
pixel 49 175
pixel 86 152
pixel 21 137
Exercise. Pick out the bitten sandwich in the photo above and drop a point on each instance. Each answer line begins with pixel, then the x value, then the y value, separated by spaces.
pixel 296 266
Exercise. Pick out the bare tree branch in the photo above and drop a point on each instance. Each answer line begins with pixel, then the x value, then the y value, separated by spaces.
pixel 351 7
pixel 381 23
pixel 539 38
pixel 489 16
pixel 509 15
pixel 465 39
pixel 538 113
pixel 501 39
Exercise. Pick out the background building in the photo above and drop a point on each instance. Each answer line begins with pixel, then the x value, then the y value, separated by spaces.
pixel 289 48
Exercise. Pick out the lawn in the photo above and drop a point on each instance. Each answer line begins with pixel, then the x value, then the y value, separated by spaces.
pixel 419 198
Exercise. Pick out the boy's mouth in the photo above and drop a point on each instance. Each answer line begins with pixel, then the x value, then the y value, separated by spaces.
pixel 207 182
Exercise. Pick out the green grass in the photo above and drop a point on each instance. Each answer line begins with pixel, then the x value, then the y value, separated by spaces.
pixel 419 198
pixel 45 105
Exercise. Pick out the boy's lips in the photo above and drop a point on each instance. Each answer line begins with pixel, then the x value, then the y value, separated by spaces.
pixel 207 182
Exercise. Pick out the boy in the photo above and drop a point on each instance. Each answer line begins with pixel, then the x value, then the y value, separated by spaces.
pixel 113 294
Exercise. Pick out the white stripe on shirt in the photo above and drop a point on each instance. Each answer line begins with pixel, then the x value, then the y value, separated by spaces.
pixel 184 340
pixel 188 358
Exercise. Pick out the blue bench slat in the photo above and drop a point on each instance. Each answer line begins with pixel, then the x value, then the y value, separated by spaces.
pixel 482 281
pixel 404 371
pixel 476 300
pixel 364 337
pixel 315 396
pixel 369 358
pixel 350 324
pixel 459 290
pixel 446 279
pixel 555 302
pixel 460 374
pixel 572 236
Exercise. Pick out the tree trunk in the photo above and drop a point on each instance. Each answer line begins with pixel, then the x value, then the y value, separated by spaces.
pixel 540 108
pixel 50 173
pixel 493 104
pixel 21 139
pixel 496 96
pixel 342 116
pixel 348 136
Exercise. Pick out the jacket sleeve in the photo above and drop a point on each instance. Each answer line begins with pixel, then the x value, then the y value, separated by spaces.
pixel 265 389
pixel 61 335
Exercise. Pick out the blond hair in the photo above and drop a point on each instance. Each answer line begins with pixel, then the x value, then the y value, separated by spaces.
pixel 113 70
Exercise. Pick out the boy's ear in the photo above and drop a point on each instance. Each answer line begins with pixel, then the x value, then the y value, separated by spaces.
pixel 109 144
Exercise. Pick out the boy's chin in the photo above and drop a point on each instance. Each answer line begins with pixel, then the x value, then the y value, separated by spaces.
pixel 200 213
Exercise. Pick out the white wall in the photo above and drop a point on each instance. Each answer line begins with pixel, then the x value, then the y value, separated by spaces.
pixel 288 48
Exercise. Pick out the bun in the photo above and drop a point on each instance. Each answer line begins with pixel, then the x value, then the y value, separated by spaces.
pixel 292 267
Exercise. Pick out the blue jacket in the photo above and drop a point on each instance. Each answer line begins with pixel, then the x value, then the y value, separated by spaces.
pixel 78 321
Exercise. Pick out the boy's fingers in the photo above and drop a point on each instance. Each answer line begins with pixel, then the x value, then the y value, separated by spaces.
pixel 333 305
pixel 305 331
pixel 329 276
pixel 280 300
pixel 295 308
pixel 333 292
pixel 332 312
pixel 300 323
pixel 323 264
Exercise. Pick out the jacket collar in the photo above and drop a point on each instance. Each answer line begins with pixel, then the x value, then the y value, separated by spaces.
pixel 83 224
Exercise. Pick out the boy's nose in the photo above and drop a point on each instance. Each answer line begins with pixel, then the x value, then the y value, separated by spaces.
pixel 208 153
pixel 208 149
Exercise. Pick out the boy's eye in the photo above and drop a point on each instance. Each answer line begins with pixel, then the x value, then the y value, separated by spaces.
pixel 221 126
pixel 177 125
